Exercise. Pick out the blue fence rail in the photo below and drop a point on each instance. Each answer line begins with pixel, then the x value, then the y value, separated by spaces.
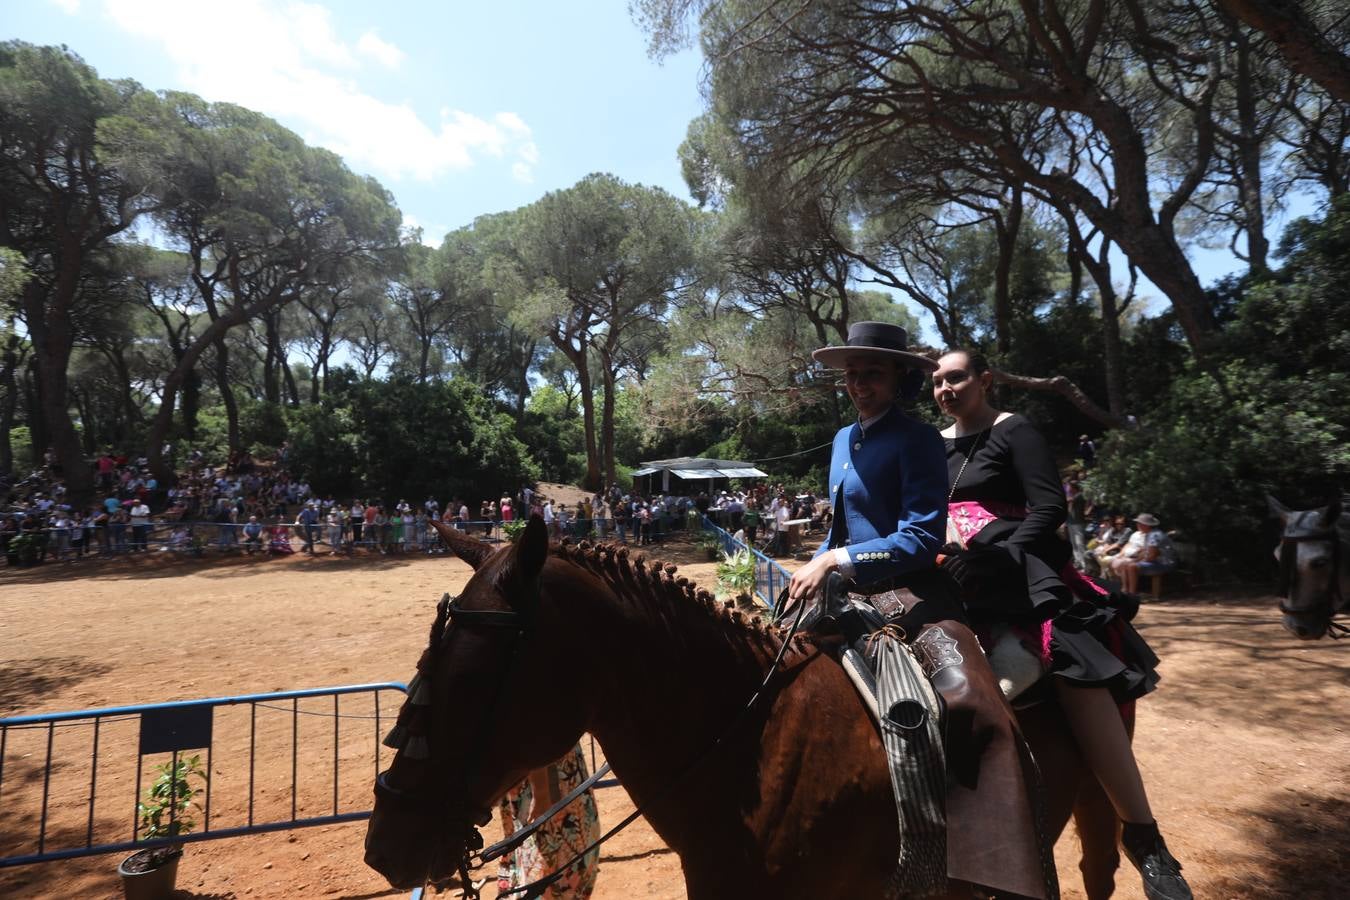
pixel 770 577
pixel 60 795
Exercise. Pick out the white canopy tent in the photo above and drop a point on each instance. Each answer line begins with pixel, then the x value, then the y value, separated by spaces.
pixel 695 468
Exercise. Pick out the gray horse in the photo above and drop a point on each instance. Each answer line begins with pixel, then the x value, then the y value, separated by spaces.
pixel 1314 558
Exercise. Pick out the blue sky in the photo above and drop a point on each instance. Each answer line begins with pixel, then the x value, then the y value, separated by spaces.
pixel 460 109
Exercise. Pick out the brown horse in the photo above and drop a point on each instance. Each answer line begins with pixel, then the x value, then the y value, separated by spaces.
pixel 795 801
pixel 1314 573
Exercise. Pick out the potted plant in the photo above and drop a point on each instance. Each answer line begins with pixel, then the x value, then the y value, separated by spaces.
pixel 150 874
pixel 711 544
pixel 514 529
pixel 736 575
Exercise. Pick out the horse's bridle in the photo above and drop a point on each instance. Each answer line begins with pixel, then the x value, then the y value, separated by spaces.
pixel 522 622
pixel 465 815
pixel 1289 542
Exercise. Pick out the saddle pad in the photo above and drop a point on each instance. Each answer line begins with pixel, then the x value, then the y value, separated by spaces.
pixel 908 714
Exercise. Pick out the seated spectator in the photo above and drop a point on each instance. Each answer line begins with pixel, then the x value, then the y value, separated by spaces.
pixel 280 542
pixel 1148 552
pixel 1110 541
pixel 253 535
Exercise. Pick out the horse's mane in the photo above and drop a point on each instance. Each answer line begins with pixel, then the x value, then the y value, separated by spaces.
pixel 657 587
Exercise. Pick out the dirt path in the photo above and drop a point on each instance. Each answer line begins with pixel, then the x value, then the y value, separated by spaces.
pixel 1244 748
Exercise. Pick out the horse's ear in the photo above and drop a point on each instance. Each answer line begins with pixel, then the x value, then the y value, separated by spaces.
pixel 469 549
pixel 1277 509
pixel 1331 514
pixel 532 549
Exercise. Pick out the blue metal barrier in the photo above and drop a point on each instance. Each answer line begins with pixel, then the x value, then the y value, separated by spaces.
pixel 170 729
pixel 770 577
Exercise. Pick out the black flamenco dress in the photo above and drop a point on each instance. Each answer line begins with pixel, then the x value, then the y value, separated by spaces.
pixel 1008 496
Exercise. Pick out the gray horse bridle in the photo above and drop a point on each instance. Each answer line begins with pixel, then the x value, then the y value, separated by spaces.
pixel 1289 542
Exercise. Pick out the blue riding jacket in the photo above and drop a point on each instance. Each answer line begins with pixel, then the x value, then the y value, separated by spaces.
pixel 892 479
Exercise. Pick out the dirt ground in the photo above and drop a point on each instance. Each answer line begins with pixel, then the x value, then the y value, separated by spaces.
pixel 1244 748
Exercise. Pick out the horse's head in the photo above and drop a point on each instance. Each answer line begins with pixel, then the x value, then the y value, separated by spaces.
pixel 1312 568
pixel 480 715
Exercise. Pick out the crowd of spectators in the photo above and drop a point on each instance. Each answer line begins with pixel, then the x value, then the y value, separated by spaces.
pixel 255 506
pixel 1111 544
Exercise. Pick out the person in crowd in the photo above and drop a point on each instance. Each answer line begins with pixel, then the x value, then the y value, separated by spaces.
pixel 1110 541
pixel 601 517
pixel 253 536
pixel 78 536
pixel 334 522
pixel 140 526
pixel 307 523
pixel 118 522
pixel 1076 522
pixel 622 517
pixel 358 521
pixel 396 526
pixel 559 839
pixel 1087 451
pixel 750 520
pixel 549 518
pixel 60 535
pixel 279 538
pixel 1149 551
pixel 1005 504
pixel 782 513
pixel 378 524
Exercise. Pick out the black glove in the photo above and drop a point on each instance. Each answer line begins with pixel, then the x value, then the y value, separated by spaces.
pixel 976 567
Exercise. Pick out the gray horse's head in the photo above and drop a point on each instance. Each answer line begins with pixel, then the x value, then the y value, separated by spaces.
pixel 1314 572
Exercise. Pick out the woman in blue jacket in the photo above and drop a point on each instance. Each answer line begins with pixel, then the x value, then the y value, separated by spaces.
pixel 888 472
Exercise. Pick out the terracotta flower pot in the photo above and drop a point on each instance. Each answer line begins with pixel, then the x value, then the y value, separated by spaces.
pixel 143 881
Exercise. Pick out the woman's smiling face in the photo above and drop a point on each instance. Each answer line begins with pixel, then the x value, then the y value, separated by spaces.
pixel 871 382
pixel 956 388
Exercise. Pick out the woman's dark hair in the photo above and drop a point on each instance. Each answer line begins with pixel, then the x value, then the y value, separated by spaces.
pixel 979 363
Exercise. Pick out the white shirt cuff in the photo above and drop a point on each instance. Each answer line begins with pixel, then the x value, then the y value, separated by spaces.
pixel 845 564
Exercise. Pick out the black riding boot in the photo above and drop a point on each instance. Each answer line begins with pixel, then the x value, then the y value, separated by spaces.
pixel 1162 873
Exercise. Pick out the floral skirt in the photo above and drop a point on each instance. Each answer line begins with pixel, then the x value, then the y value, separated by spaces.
pixel 556 842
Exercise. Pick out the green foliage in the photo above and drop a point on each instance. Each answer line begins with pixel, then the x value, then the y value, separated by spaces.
pixel 514 529
pixel 736 574
pixel 404 439
pixel 164 811
pixel 21 441
pixel 262 425
pixel 1272 416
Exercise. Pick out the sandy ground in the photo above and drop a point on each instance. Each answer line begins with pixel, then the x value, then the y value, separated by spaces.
pixel 1244 748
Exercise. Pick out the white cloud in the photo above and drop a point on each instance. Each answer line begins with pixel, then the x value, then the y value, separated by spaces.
pixel 288 60
pixel 70 7
pixel 383 52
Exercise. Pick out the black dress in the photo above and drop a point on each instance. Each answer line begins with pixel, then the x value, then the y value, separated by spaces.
pixel 1009 468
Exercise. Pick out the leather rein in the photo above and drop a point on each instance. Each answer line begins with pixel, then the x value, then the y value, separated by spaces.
pixel 1289 568
pixel 522 623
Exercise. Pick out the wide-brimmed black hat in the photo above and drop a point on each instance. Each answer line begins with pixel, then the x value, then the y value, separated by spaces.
pixel 879 338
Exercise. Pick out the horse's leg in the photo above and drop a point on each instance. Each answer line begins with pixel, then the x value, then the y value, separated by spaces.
pixel 1099 833
pixel 1099 828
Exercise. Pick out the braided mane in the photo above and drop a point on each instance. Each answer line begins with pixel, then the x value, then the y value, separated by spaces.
pixel 656 585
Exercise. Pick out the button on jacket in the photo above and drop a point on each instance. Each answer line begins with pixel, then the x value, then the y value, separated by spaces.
pixel 894 489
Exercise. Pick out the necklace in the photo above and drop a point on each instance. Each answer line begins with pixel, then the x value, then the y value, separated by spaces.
pixel 973 447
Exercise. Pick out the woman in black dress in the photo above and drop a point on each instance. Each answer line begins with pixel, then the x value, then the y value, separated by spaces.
pixel 1005 506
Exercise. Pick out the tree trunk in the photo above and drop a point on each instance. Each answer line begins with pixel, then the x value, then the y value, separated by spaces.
pixel 9 401
pixel 226 391
pixel 192 401
pixel 579 359
pixel 607 425
pixel 292 391
pixel 271 383
pixel 50 331
pixel 1006 228
pixel 1249 160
